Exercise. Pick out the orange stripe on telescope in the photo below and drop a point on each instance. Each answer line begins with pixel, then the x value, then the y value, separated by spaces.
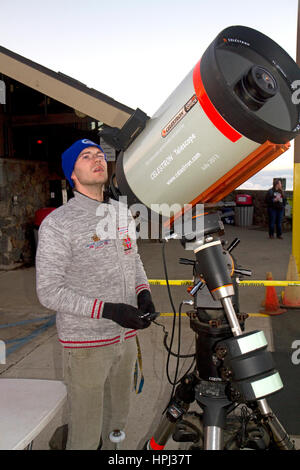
pixel 209 109
pixel 226 285
pixel 154 445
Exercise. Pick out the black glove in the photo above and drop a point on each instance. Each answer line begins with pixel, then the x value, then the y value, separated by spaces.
pixel 125 315
pixel 145 303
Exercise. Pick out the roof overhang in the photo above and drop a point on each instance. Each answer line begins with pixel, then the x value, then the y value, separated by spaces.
pixel 64 89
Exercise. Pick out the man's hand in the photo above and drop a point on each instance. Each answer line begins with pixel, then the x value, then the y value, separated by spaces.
pixel 145 303
pixel 125 315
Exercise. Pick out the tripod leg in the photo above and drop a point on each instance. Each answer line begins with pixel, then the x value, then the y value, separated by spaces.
pixel 184 395
pixel 161 435
pixel 215 405
pixel 213 438
pixel 280 435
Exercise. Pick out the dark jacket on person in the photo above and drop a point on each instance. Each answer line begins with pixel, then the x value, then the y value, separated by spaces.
pixel 275 198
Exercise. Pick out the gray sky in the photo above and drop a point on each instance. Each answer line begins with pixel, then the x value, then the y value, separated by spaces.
pixel 137 52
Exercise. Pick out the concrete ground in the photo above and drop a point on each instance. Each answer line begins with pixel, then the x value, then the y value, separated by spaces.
pixel 39 355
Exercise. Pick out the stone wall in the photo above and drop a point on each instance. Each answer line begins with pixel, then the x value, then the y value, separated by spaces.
pixel 24 188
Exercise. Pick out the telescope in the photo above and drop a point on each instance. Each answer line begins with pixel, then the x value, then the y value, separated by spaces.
pixel 231 116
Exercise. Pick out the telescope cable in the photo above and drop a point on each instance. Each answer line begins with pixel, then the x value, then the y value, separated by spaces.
pixel 169 349
pixel 167 278
pixel 174 315
pixel 178 351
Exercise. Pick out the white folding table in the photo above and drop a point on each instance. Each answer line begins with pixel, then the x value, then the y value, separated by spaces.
pixel 26 407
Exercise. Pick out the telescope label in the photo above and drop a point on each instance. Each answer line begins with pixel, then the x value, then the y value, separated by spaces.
pixel 177 118
pixel 164 145
pixel 237 40
pixel 161 167
pixel 187 142
pixel 210 161
pixel 184 168
pixel 169 159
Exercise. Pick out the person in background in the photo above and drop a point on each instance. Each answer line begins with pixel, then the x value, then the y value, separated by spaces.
pixel 99 289
pixel 276 201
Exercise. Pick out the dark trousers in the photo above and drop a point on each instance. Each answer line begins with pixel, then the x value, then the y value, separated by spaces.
pixel 275 220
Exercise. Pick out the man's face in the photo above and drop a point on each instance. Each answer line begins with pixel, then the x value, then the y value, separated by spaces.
pixel 90 167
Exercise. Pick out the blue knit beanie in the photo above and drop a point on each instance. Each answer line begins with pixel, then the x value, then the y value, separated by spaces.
pixel 70 156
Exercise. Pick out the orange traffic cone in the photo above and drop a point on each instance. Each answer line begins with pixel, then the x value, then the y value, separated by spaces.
pixel 271 302
pixel 291 294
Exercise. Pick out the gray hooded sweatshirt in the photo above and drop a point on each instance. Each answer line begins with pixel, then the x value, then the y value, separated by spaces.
pixel 86 256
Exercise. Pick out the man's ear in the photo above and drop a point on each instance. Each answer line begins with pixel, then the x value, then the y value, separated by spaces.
pixel 73 177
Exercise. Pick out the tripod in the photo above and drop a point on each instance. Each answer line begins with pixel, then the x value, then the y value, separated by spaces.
pixel 232 367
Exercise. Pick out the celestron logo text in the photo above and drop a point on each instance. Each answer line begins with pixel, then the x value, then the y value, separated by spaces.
pixel 177 118
pixel 236 40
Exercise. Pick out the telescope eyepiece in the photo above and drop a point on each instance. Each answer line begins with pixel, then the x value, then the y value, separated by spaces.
pixel 256 87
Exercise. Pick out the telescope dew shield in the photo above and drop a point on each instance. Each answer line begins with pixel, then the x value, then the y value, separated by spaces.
pixel 230 116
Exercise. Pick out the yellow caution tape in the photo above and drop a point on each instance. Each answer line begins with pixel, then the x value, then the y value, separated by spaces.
pixel 268 283
pixel 163 282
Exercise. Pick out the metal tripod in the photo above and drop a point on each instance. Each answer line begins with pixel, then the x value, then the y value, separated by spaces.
pixel 232 367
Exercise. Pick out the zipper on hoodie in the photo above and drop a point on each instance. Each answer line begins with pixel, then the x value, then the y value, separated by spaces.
pixel 118 248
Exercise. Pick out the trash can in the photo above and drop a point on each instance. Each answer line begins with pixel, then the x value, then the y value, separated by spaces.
pixel 244 210
pixel 39 216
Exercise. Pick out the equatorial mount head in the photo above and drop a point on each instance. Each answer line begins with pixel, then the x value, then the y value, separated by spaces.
pixel 195 229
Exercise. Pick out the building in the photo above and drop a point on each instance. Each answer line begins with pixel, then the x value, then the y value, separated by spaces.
pixel 41 113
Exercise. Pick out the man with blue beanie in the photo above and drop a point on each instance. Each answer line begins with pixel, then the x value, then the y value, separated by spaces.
pixel 98 287
pixel 71 155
